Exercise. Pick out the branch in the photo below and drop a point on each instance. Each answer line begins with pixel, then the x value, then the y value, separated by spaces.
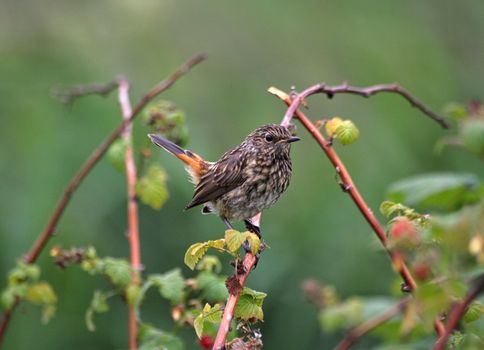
pixel 330 91
pixel 348 185
pixel 69 95
pixel 370 325
pixel 456 314
pixel 133 231
pixel 248 264
pixel 49 229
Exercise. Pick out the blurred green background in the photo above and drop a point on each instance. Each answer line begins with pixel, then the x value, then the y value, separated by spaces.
pixel 433 48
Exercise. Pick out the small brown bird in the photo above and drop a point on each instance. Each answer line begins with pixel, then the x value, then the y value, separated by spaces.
pixel 245 180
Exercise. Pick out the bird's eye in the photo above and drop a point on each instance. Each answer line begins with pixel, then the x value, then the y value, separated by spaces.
pixel 269 137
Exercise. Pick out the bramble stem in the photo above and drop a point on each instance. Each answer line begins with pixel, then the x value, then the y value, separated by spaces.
pixel 133 227
pixel 228 314
pixel 330 91
pixel 93 159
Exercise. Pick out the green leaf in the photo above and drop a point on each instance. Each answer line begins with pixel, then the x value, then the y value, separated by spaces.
pixel 456 111
pixel 249 306
pixel 41 293
pixel 164 117
pixel 210 263
pixel 439 191
pixel 7 299
pixel 333 124
pixel 118 270
pixel 151 338
pixel 212 287
pixel 254 242
pixel 234 240
pixel 472 136
pixel 347 132
pixel 23 272
pixel 208 314
pixel 196 251
pixel 98 305
pixel 116 154
pixel 151 188
pixel 474 312
pixel 170 284
pixel 344 315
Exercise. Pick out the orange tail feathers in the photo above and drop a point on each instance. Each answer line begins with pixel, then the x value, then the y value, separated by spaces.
pixel 195 165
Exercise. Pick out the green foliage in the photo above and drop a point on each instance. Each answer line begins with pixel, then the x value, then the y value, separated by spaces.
pixel 116 154
pixel 345 131
pixel 474 312
pixel 151 338
pixel 234 240
pixel 151 188
pixel 208 314
pixel 196 251
pixel 23 284
pixel 249 306
pixel 440 191
pixel 212 286
pixel 98 305
pixel 170 285
pixel 342 315
pixel 165 118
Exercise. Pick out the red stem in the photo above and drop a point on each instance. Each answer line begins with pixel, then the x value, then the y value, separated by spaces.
pixel 348 184
pixel 133 228
pixel 248 263
pixel 456 314
pixel 93 159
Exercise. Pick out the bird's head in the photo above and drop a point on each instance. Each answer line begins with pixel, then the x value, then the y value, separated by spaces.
pixel 271 136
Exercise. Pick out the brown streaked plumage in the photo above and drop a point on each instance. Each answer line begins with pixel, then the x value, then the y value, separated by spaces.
pixel 245 180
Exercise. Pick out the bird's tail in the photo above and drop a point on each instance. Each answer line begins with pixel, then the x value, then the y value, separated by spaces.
pixel 195 165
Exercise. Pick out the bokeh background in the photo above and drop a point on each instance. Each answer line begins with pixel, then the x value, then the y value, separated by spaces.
pixel 434 48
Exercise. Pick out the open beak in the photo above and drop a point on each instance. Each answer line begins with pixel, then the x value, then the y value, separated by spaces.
pixel 293 139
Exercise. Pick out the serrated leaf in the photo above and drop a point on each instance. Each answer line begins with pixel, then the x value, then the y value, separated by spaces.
pixel 194 253
pixel 170 284
pixel 208 314
pixel 151 338
pixel 210 263
pixel 234 240
pixel 439 191
pixel 333 124
pixel 197 250
pixel 118 270
pixel 98 305
pixel 151 188
pixel 474 312
pixel 347 132
pixel 249 305
pixel 116 154
pixel 254 242
pixel 212 287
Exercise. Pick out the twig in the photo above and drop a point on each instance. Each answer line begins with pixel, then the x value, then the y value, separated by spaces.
pixel 248 264
pixel 133 230
pixel 348 186
pixel 370 325
pixel 69 95
pixel 330 91
pixel 457 312
pixel 49 230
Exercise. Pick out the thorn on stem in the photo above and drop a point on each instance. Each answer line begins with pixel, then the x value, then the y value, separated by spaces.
pixel 405 288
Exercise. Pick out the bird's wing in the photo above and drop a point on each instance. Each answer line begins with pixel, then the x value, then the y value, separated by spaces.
pixel 225 175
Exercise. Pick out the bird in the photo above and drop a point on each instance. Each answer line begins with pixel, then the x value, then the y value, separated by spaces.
pixel 245 180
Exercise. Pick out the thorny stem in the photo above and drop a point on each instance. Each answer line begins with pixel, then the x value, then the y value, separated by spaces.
pixel 398 263
pixel 228 314
pixel 330 91
pixel 133 229
pixel 350 187
pixel 49 229
pixel 457 312
pixel 370 325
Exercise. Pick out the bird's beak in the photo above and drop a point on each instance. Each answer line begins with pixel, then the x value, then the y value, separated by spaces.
pixel 293 139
